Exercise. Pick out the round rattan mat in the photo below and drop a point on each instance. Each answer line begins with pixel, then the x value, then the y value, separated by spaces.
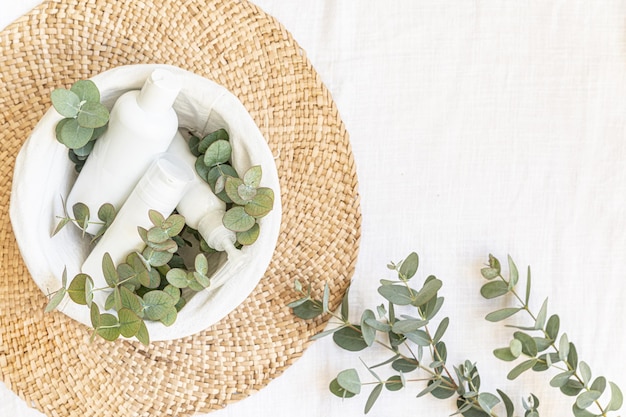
pixel 46 358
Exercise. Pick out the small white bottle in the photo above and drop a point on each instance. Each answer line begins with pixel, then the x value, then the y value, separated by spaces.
pixel 160 188
pixel 202 209
pixel 142 124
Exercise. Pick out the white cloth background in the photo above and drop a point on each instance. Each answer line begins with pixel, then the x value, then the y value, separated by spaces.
pixel 477 126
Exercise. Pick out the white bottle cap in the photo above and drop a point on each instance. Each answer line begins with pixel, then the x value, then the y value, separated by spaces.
pixel 159 91
pixel 165 182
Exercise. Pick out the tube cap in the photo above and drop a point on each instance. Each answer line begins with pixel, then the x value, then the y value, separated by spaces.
pixel 159 91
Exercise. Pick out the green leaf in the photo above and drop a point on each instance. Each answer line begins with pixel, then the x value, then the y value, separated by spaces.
pixel 249 236
pixel 202 280
pixel 86 90
pixel 541 317
pixel 494 289
pixel 561 379
pixel 170 317
pixel 173 225
pixel 81 214
pixel 369 333
pixel 338 390
pixel 156 258
pixel 378 325
pixel 490 273
pixel 441 329
pixel 157 304
pixel 108 269
pixel 73 135
pixel 572 388
pixel 157 235
pixel 237 220
pixel 408 325
pixel 430 387
pixel 599 384
pixel 206 141
pixel 521 368
pixel 508 404
pixel 513 274
pixel 220 171
pixel 345 305
pixel 129 322
pixel 373 397
pixel 106 213
pixel 349 380
pixel 204 171
pixel 396 294
pixel 94 315
pixel 404 365
pixel 394 383
pixel 617 399
pixel 572 356
pixel 487 401
pixel 585 372
pixel 505 354
pixel 261 204
pixel 409 266
pixel 529 346
pixel 156 218
pixel 563 347
pixel 327 332
pixel 55 300
pixel 218 152
pixel 308 310
pixel 428 292
pixel 443 391
pixel 77 288
pixel 585 399
pixel 84 152
pixel 552 328
pixel 252 177
pixel 61 225
pixel 545 361
pixel 92 115
pixel 325 299
pixel 65 102
pixel 201 264
pixel 142 335
pixel 172 292
pixel 578 412
pixel 350 339
pixel 419 337
pixel 109 328
pixel 501 314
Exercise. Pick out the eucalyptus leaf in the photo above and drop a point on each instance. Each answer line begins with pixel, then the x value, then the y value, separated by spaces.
pixel 513 273
pixel 252 176
pixel 350 339
pixel 427 292
pixel 599 384
pixel 326 332
pixel 109 327
pixel 94 315
pixel 501 314
pixel 92 115
pixel 106 213
pixel 142 335
pixel 218 152
pixel 73 135
pixel 405 365
pixel 516 347
pixel 308 310
pixel 490 273
pixel 108 270
pixel 261 203
pixel 419 337
pixel 86 90
pixel 430 387
pixel 441 329
pixel 373 397
pixel 494 289
pixel 131 301
pixel 579 412
pixel 338 390
pixel 508 404
pixel 561 379
pixel 552 327
pixel 130 322
pixel 156 258
pixel 237 220
pixel 249 236
pixel 81 214
pixel 65 102
pixel 56 299
pixel 84 152
pixel 572 388
pixel 326 299
pixel 173 225
pixel 157 235
pixel 77 288
pixel 521 368
pixel 585 372
pixel 408 325
pixel 563 347
pixel 368 332
pixel 394 383
pixel 585 399
pixel 487 401
pixel 170 317
pixel 529 346
pixel 396 294
pixel 220 134
pixel 156 218
pixel 504 354
pixel 541 317
pixel 202 280
pixel 409 266
pixel 444 390
pixel 528 286
pixel 349 380
pixel 157 304
pixel 617 399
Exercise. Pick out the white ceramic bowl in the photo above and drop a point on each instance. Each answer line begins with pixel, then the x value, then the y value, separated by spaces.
pixel 44 175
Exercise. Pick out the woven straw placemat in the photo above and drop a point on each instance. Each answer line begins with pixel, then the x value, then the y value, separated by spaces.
pixel 46 358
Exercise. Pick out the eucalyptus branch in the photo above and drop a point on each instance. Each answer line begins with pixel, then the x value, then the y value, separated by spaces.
pixel 575 379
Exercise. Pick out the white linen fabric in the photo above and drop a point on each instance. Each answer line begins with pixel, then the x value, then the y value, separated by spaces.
pixel 477 127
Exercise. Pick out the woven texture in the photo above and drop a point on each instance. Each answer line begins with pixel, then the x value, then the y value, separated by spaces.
pixel 46 358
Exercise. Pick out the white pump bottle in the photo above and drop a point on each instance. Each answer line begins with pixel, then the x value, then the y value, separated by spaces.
pixel 202 209
pixel 142 124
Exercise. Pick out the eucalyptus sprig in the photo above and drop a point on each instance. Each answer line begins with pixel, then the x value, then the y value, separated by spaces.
pixel 82 218
pixel 546 348
pixel 84 121
pixel 246 200
pixel 146 286
pixel 414 347
pixel 409 338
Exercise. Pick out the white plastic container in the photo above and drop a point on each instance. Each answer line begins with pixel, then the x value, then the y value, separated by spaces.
pixel 202 209
pixel 160 188
pixel 141 125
